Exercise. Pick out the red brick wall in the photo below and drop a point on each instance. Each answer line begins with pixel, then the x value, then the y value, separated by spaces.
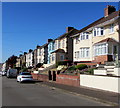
pixel 40 77
pixel 103 58
pixel 68 80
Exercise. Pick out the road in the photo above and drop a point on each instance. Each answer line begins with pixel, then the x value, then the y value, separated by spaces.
pixel 36 94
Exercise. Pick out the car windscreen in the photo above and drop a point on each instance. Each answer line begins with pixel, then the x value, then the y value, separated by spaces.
pixel 25 73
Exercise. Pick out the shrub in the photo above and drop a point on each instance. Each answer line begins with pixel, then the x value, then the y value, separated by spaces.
pixel 72 68
pixel 81 66
pixel 91 70
pixel 39 65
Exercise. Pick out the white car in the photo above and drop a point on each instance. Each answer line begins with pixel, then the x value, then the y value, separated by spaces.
pixel 24 76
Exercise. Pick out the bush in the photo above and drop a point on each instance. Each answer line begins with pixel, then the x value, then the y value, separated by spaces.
pixel 81 66
pixel 91 71
pixel 39 65
pixel 72 68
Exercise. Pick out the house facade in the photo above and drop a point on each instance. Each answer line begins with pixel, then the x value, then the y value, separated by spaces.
pixel 51 48
pixel 42 54
pixel 61 48
pixel 23 60
pixel 18 63
pixel 29 59
pixel 100 41
pixel 35 56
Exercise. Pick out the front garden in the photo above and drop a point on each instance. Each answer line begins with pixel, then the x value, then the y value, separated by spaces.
pixel 65 68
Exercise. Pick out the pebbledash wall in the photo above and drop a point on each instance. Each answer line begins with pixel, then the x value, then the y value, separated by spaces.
pixel 101 82
pixel 68 80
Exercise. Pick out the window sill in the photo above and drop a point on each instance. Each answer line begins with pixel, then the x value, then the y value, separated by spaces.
pixel 111 33
pixel 99 35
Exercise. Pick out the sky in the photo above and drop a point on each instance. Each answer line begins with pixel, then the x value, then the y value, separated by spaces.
pixel 28 24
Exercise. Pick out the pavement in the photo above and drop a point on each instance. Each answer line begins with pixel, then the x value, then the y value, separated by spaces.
pixel 96 94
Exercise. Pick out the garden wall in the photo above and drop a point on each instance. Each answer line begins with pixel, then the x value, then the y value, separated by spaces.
pixel 101 82
pixel 68 80
pixel 40 77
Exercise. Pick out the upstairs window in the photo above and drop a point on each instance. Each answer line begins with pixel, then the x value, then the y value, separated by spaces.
pixel 77 40
pixel 53 46
pixel 58 44
pixel 84 36
pixel 111 29
pixel 99 31
pixel 63 43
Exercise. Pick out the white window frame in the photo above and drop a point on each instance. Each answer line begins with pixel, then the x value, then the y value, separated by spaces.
pixel 101 49
pixel 84 52
pixel 83 36
pixel 111 28
pixel 98 31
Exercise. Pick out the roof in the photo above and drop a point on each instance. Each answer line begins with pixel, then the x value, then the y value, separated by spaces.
pixel 101 20
pixel 106 40
pixel 42 46
pixel 71 32
pixel 59 50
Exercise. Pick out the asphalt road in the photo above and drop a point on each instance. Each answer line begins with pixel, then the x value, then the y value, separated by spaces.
pixel 36 94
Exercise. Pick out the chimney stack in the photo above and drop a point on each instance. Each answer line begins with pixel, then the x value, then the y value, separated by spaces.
pixel 30 50
pixel 37 46
pixel 49 40
pixel 68 29
pixel 108 10
pixel 25 53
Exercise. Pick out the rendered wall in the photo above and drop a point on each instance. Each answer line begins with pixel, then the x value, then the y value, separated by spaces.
pixel 101 82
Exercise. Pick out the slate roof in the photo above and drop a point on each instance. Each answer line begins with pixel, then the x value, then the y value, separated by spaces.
pixel 101 20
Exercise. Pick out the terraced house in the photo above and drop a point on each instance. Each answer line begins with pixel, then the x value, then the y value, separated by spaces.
pixel 61 48
pixel 29 59
pixel 42 54
pixel 100 41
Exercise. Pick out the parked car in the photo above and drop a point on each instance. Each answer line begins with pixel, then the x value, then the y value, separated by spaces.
pixel 12 73
pixel 24 76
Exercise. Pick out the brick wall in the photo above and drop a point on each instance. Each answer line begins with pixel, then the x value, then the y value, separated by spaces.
pixel 40 77
pixel 103 58
pixel 68 80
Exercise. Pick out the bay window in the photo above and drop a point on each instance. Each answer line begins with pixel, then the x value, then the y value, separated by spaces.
pixel 100 49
